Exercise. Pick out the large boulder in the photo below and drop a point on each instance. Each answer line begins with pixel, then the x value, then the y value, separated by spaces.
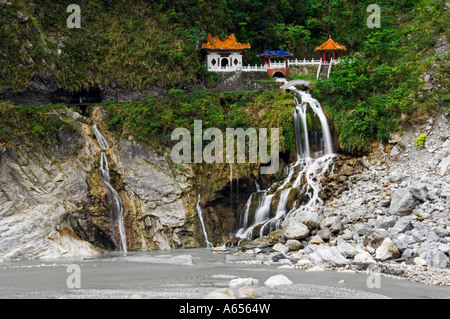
pixel 347 250
pixel 240 282
pixel 278 280
pixel 310 219
pixel 295 229
pixel 293 245
pixel 375 237
pixel 436 258
pixel 403 224
pixel 402 202
pixel 363 257
pixel 418 191
pixel 280 248
pixel 247 292
pixel 386 222
pixel 387 250
pixel 333 223
pixel 325 253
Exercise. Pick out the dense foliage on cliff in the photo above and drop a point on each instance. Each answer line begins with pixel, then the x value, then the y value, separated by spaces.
pixel 400 75
pixel 29 123
pixel 141 44
pixel 152 120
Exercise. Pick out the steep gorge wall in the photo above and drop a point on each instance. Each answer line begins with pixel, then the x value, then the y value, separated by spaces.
pixel 52 200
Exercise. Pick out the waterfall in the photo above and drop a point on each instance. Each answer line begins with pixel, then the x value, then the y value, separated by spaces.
pixel 258 187
pixel 244 221
pixel 113 198
pixel 100 138
pixel 308 168
pixel 199 213
pixel 262 213
pixel 282 204
pixel 307 99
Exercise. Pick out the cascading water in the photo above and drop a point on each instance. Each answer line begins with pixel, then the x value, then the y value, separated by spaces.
pixel 309 167
pixel 113 198
pixel 199 213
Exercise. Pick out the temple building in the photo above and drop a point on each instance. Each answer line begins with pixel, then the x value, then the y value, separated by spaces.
pixel 329 50
pixel 276 68
pixel 224 55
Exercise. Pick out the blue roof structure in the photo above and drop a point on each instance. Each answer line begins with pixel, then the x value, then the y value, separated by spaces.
pixel 275 53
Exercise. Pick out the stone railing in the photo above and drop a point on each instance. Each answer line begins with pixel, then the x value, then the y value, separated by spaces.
pixel 253 68
pixel 273 65
pixel 304 62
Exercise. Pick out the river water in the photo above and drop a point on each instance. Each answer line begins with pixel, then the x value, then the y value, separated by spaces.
pixel 188 274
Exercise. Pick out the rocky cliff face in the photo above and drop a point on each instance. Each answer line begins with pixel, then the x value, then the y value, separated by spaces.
pixel 40 187
pixel 160 204
pixel 52 200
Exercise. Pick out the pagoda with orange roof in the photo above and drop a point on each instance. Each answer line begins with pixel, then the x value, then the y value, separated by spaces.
pixel 330 47
pixel 224 54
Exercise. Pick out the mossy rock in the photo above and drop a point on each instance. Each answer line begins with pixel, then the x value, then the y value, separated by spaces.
pixel 243 243
pixel 256 230
pixel 254 207
pixel 293 193
pixel 272 238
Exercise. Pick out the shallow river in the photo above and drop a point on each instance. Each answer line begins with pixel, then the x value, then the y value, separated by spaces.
pixel 187 274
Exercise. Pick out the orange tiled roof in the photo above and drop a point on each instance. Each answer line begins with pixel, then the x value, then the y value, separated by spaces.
pixel 330 45
pixel 229 43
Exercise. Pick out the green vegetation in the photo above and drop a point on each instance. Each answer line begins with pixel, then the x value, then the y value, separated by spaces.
pixel 383 86
pixel 41 124
pixel 125 42
pixel 139 44
pixel 152 120
pixel 420 141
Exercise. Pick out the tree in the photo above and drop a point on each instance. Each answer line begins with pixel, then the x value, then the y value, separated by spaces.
pixel 292 36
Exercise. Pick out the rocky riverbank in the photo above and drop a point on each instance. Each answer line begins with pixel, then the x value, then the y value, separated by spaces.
pixel 388 212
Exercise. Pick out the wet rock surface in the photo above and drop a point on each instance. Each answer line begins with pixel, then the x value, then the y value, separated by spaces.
pixel 390 209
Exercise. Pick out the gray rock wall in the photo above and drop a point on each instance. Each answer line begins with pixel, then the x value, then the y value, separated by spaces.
pixel 52 200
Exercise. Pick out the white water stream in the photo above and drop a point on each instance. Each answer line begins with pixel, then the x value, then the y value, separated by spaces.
pixel 307 167
pixel 199 213
pixel 114 200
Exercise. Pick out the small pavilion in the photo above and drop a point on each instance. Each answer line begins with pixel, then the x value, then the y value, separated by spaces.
pixel 276 68
pixel 330 49
pixel 224 54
